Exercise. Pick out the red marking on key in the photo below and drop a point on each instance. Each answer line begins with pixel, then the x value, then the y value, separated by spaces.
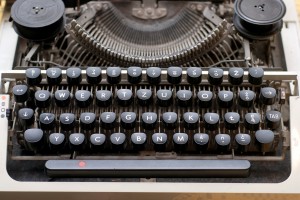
pixel 81 164
pixel 3 97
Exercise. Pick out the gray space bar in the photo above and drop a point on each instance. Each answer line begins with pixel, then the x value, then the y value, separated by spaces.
pixel 147 168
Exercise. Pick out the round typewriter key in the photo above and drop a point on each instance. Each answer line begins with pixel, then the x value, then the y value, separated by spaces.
pixel 174 75
pixel 54 76
pixel 255 76
pixel 215 76
pixel 138 141
pixel 134 75
pixel 42 98
pixel 264 139
pixel 252 121
pixel 67 121
pixel 184 98
pixel 154 75
pixel 149 120
pixel 62 98
pixel 232 120
pixel 33 76
pixel 246 98
pixel 47 121
pixel 201 140
pixel 34 139
pixel 93 75
pixel 21 93
pixel 211 121
pixel 205 99
pixel 77 141
pixel 103 98
pixel 97 141
pixel 273 119
pixel 242 141
pixel 144 97
pixel 164 98
pixel 108 120
pixel 194 75
pixel 267 96
pixel 159 140
pixel 170 120
pixel 56 141
pixel 235 76
pixel 180 141
pixel 191 120
pixel 124 97
pixel 83 98
pixel 113 75
pixel 223 142
pixel 26 116
pixel 225 99
pixel 128 120
pixel 74 76
pixel 118 141
pixel 87 120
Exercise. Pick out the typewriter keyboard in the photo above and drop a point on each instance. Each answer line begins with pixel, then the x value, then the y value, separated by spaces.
pixel 148 122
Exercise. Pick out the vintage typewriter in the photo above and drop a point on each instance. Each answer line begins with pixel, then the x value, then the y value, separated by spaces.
pixel 191 95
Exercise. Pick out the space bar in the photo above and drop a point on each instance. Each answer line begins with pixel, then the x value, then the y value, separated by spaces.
pixel 147 168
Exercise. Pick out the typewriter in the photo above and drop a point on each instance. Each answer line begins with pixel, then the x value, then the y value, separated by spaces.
pixel 139 97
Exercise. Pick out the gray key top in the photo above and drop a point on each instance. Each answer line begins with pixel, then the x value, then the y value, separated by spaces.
pixel 264 136
pixel 103 98
pixel 47 121
pixel 201 138
pixel 83 98
pixel 144 97
pixel 205 99
pixel 113 75
pixel 128 120
pixel 108 120
pixel 56 139
pixel 180 138
pixel 243 139
pixel 159 138
pixel 225 99
pixel 267 96
pixel 42 98
pixel 191 120
pixel 97 139
pixel 232 120
pixel 34 138
pixel 93 75
pixel 20 93
pixel 33 76
pixel 67 121
pixel 62 98
pixel 174 75
pixel 170 120
pixel 246 98
pixel 54 75
pixel 194 75
pixel 273 119
pixel 164 97
pixel 153 75
pixel 124 97
pixel 211 121
pixel 215 76
pixel 138 138
pixel 149 120
pixel 184 98
pixel 26 115
pixel 77 141
pixel 117 138
pixel 252 121
pixel 255 76
pixel 235 75
pixel 74 76
pixel 134 75
pixel 223 139
pixel 87 120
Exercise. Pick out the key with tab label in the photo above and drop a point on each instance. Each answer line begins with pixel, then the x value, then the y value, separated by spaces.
pixel 273 119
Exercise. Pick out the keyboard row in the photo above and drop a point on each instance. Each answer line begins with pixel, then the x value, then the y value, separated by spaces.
pixel 149 120
pixel 36 139
pixel 135 75
pixel 144 97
